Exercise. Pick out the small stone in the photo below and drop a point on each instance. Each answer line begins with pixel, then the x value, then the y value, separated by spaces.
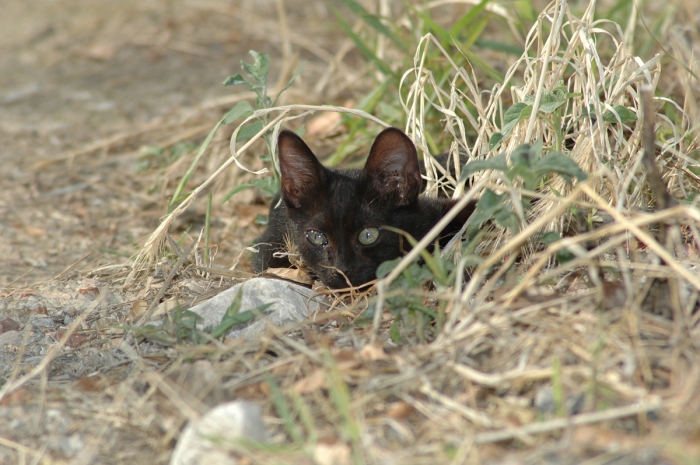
pixel 205 440
pixel 39 321
pixel 290 303
pixel 10 338
pixel 8 324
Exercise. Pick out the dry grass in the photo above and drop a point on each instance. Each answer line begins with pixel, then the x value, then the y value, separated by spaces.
pixel 595 358
pixel 612 329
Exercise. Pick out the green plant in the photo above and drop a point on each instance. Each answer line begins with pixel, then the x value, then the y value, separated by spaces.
pixel 258 72
pixel 381 35
pixel 257 82
pixel 529 168
pixel 180 325
pixel 413 297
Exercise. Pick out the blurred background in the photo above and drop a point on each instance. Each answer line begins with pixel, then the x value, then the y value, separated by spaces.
pixel 103 103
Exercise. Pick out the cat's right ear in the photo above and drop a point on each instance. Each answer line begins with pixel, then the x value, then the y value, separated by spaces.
pixel 303 176
pixel 392 167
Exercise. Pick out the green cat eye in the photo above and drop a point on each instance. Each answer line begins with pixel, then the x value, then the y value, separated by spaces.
pixel 316 237
pixel 368 236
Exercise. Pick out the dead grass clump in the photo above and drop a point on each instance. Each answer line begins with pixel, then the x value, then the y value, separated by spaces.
pixel 577 344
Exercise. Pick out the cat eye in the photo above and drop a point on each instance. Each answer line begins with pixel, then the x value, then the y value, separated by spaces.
pixel 316 237
pixel 368 236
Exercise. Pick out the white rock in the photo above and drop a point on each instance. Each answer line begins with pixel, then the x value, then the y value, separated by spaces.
pixel 205 441
pixel 289 305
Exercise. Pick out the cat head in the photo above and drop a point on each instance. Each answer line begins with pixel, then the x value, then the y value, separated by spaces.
pixel 336 217
pixel 391 171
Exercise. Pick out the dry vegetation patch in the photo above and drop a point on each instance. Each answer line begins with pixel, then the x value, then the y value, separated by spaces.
pixel 562 329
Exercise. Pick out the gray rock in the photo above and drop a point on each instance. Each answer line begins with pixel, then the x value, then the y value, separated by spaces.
pixel 208 440
pixel 42 322
pixel 289 305
pixel 11 338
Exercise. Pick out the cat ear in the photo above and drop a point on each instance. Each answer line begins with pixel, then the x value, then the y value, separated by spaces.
pixel 392 167
pixel 302 174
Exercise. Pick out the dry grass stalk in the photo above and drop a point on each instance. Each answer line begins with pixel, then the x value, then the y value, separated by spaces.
pixel 501 344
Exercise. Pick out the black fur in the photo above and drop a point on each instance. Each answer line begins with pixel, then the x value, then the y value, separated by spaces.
pixel 341 203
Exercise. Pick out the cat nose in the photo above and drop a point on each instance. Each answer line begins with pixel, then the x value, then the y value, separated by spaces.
pixel 343 272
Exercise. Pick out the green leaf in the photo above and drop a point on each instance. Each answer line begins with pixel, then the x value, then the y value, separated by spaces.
pixel 550 107
pixel 261 220
pixel 555 162
pixel 550 101
pixel 395 332
pixel 440 32
pixel 268 185
pixel 259 68
pixel 386 267
pixel 626 115
pixel 466 20
pixel 563 255
pixel 494 163
pixel 249 131
pixel 515 114
pixel 242 110
pixel 475 30
pixel 235 80
pixel 488 205
pixel 180 150
pixel 550 238
pixel 236 190
pixel 495 140
pixel 522 157
pixel 489 199
pixel 362 47
pixel 499 47
pixel 374 22
pixel 506 218
pixel 232 317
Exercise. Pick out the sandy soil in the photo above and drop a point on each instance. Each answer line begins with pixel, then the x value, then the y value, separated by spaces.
pixel 79 74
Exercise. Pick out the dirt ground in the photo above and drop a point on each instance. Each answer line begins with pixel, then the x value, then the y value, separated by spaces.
pixel 79 73
pixel 84 86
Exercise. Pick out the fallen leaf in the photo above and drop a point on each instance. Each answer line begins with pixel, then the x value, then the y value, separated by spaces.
pixel 336 453
pixel 89 292
pixel 75 339
pixel 400 410
pixel 91 383
pixel 15 397
pixel 290 274
pixel 311 383
pixel 8 324
pixel 373 352
pixel 34 231
pixel 138 309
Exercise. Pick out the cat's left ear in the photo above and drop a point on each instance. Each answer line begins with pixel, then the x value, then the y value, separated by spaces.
pixel 303 177
pixel 392 167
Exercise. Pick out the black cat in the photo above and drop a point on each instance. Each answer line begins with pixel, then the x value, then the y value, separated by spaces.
pixel 336 218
